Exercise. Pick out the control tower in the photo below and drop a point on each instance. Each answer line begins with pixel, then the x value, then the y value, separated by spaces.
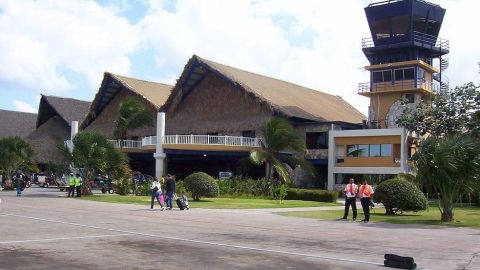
pixel 406 57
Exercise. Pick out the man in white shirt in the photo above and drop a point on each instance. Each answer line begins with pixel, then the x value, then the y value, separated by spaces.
pixel 350 192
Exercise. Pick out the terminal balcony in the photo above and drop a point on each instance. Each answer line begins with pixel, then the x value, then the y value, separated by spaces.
pixel 369 88
pixel 187 142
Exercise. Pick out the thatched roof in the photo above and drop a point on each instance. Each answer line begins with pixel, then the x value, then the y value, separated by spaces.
pixel 288 99
pixel 68 109
pixel 47 137
pixel 153 93
pixel 14 123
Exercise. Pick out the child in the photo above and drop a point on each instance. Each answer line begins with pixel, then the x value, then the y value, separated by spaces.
pixel 184 197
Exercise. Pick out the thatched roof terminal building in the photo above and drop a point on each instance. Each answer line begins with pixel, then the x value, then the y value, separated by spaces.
pixel 55 115
pixel 212 97
pixel 14 123
pixel 113 90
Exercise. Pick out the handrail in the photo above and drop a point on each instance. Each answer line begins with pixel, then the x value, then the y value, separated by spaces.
pixel 186 139
pixel 418 37
pixel 370 87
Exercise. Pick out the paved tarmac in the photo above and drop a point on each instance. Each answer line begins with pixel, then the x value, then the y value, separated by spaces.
pixel 45 230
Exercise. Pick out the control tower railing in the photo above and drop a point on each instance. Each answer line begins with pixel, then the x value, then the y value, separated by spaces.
pixel 417 38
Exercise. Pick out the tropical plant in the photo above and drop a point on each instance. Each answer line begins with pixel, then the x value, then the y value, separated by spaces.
pixel 93 154
pixel 201 185
pixel 15 153
pixel 279 135
pixel 450 167
pixel 456 111
pixel 398 195
pixel 131 114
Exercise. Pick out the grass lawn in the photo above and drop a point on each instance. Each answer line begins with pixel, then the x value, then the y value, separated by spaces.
pixel 464 216
pixel 221 203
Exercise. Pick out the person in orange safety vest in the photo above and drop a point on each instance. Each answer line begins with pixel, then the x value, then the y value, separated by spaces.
pixel 365 193
pixel 350 192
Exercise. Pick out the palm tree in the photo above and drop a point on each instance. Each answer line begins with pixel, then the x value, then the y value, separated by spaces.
pixel 95 155
pixel 279 135
pixel 131 114
pixel 450 167
pixel 15 153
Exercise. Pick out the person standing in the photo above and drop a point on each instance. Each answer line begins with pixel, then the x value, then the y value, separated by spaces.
pixel 170 189
pixel 78 185
pixel 350 192
pixel 156 193
pixel 71 185
pixel 365 192
pixel 18 180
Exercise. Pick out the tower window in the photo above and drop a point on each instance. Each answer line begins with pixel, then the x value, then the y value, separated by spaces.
pixel 404 74
pixel 382 76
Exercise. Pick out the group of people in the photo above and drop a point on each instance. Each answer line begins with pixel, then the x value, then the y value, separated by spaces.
pixel 352 191
pixel 74 184
pixel 167 197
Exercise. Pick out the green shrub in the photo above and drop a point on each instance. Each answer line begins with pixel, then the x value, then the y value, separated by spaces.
pixel 238 187
pixel 317 195
pixel 180 188
pixel 122 186
pixel 399 195
pixel 144 189
pixel 201 185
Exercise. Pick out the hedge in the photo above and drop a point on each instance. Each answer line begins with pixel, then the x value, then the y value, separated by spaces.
pixel 317 195
pixel 398 195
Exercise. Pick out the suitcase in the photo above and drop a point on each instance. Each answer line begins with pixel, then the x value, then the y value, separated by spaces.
pixel 181 204
pixel 399 265
pixel 393 257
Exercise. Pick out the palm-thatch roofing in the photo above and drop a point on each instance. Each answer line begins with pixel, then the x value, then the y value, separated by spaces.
pixel 46 138
pixel 287 99
pixel 155 94
pixel 14 123
pixel 68 109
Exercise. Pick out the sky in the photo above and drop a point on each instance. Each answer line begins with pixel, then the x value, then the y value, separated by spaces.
pixel 63 47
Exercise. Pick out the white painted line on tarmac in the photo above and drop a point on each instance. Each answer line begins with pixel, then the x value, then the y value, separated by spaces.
pixel 202 242
pixel 62 238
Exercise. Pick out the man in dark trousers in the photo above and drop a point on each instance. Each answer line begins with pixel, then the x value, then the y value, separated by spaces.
pixel 71 185
pixel 350 192
pixel 170 189
pixel 365 192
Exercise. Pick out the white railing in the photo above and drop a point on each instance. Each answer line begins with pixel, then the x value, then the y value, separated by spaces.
pixel 185 139
pixel 126 143
pixel 150 140
pixel 211 140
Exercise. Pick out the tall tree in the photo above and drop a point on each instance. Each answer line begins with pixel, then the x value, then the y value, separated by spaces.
pixel 15 153
pixel 450 167
pixel 279 135
pixel 453 112
pixel 131 114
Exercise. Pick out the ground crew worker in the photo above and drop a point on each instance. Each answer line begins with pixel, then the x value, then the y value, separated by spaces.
pixel 71 185
pixel 365 192
pixel 78 185
pixel 350 192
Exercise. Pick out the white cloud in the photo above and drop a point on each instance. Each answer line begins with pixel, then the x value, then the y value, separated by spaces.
pixel 24 107
pixel 261 36
pixel 245 34
pixel 44 41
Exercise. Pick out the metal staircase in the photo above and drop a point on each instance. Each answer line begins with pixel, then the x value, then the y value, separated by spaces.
pixel 440 77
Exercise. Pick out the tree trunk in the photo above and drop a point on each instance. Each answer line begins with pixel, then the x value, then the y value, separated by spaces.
pixel 446 210
pixel 268 170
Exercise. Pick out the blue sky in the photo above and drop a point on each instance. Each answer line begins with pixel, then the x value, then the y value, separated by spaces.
pixel 64 47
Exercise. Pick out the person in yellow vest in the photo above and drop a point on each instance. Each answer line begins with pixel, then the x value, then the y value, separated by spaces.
pixel 350 192
pixel 71 185
pixel 78 184
pixel 365 192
